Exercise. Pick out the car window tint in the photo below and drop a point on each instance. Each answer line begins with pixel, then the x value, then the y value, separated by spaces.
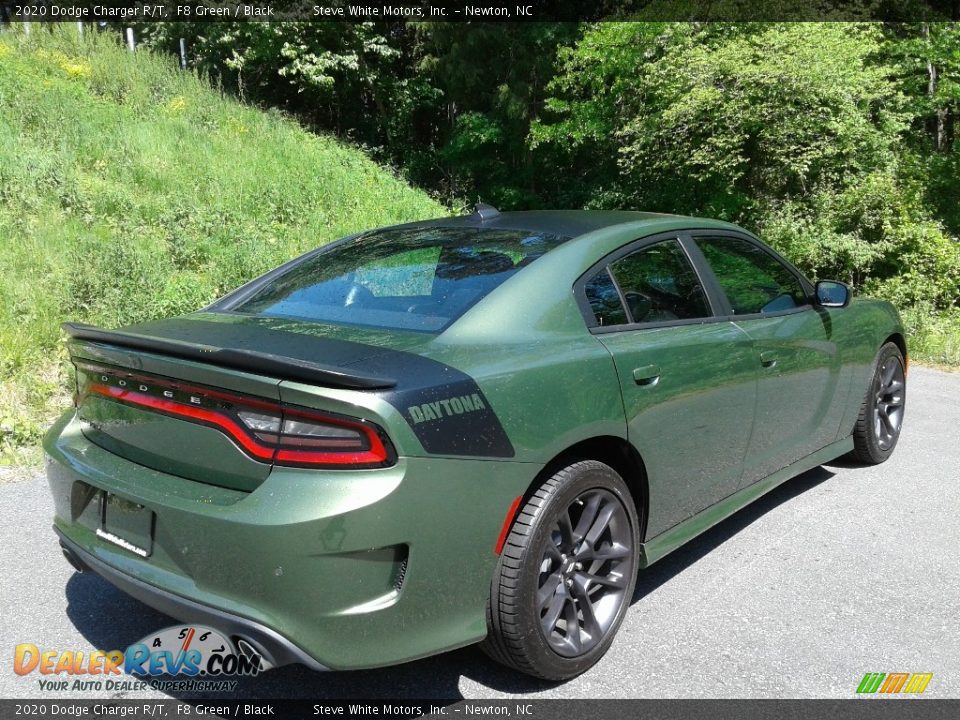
pixel 753 280
pixel 605 300
pixel 403 278
pixel 659 284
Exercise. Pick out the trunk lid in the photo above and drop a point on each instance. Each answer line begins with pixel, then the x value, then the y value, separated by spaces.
pixel 206 362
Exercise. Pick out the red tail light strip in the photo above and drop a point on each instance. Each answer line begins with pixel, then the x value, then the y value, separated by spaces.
pixel 375 455
pixel 130 397
pixel 95 371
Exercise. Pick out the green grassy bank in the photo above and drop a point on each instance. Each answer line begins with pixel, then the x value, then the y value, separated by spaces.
pixel 131 190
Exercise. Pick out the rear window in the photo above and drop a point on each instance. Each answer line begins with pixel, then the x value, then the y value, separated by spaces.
pixel 406 279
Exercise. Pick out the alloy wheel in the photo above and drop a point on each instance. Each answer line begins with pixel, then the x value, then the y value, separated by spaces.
pixel 585 571
pixel 889 389
pixel 888 406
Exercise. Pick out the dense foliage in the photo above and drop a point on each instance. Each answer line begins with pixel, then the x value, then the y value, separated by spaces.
pixel 835 141
pixel 799 131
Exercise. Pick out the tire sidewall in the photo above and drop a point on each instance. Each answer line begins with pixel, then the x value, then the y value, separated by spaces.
pixel 594 475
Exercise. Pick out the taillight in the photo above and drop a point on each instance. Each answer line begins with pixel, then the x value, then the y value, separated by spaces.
pixel 305 437
pixel 266 430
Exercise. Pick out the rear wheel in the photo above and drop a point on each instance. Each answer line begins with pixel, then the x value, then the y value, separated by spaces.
pixel 566 574
pixel 881 414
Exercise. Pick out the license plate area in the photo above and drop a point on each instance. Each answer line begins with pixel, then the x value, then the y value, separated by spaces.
pixel 126 524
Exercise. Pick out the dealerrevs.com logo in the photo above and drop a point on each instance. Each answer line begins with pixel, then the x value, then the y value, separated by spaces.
pixel 894 683
pixel 190 651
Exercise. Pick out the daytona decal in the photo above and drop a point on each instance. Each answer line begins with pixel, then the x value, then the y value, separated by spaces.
pixel 448 407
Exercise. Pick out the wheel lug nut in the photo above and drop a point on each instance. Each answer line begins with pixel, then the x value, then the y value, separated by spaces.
pixel 569 582
pixel 578 566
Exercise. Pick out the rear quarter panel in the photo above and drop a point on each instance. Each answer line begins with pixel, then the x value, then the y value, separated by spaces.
pixel 548 395
pixel 551 383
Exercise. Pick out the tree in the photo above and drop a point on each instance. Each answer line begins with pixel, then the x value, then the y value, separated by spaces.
pixel 493 79
pixel 722 119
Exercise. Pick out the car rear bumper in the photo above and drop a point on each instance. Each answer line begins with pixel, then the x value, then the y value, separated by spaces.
pixel 361 568
pixel 275 648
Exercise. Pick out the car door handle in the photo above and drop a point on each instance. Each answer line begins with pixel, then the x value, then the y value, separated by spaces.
pixel 646 375
pixel 768 358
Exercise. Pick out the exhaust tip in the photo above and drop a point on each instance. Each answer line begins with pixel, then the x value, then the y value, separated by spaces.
pixel 250 648
pixel 74 561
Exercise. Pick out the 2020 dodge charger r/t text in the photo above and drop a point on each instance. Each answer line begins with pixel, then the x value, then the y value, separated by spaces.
pixel 469 429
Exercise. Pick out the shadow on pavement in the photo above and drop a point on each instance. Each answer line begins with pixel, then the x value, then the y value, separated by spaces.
pixel 110 619
pixel 685 556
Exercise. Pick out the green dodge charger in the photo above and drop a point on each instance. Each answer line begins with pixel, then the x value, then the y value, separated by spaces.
pixel 471 429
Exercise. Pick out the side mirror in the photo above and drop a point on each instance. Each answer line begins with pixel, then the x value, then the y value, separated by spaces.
pixel 832 294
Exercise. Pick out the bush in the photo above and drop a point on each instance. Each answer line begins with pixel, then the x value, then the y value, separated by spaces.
pixel 933 337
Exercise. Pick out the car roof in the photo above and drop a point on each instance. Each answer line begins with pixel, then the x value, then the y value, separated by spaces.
pixel 568 223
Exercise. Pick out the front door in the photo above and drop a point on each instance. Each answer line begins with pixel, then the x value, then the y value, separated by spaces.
pixel 798 410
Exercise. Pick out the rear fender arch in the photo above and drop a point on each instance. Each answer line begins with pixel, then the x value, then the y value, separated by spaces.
pixel 614 451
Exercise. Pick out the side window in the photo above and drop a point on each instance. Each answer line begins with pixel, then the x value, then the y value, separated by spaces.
pixel 657 283
pixel 753 280
pixel 604 300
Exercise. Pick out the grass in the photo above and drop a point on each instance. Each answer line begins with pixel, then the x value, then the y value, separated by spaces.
pixel 933 338
pixel 130 190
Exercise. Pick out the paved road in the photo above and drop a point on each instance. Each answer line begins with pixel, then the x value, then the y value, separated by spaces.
pixel 840 571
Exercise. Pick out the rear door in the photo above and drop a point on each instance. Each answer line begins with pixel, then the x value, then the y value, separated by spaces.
pixel 688 378
pixel 798 410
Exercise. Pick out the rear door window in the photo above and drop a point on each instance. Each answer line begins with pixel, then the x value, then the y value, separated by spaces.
pixel 605 301
pixel 655 284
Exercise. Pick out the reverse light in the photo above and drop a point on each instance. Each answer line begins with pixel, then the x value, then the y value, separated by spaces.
pixel 265 430
pixel 260 421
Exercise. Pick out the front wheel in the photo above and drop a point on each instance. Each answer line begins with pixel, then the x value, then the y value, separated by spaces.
pixel 566 574
pixel 881 413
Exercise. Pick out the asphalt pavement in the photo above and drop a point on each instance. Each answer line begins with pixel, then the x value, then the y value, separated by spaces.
pixel 841 571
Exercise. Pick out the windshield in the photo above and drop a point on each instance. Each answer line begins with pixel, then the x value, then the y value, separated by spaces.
pixel 405 279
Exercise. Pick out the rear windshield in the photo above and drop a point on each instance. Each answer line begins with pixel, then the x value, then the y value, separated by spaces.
pixel 406 279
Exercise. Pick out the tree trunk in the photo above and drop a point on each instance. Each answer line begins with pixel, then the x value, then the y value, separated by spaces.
pixel 452 124
pixel 939 128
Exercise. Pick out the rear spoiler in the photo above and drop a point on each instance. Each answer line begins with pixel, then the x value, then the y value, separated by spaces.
pixel 285 368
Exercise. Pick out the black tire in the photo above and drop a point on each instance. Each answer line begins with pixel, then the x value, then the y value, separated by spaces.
pixel 878 426
pixel 592 583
